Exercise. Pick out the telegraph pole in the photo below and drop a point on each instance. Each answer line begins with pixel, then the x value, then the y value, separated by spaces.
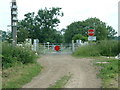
pixel 14 21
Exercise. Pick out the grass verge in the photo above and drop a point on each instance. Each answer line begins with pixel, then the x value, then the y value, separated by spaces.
pixel 108 71
pixel 60 83
pixel 16 77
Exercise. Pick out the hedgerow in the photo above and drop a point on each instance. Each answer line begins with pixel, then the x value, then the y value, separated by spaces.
pixel 13 55
pixel 101 48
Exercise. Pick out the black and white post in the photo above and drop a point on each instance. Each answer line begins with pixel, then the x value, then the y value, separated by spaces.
pixel 14 21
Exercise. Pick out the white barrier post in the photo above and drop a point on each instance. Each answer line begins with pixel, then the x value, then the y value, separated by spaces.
pixel 73 46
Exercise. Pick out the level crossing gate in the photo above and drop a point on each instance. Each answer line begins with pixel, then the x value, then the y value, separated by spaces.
pixel 49 48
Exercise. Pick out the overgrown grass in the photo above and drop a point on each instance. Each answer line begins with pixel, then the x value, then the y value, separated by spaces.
pixel 108 72
pixel 60 83
pixel 13 55
pixel 101 48
pixel 108 47
pixel 17 76
pixel 87 51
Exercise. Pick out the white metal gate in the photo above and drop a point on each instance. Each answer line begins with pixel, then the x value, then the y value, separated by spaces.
pixel 49 48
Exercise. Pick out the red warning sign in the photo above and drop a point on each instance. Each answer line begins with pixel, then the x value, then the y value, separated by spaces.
pixel 57 48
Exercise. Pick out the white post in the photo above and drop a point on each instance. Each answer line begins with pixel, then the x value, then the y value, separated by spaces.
pixel 34 45
pixel 48 45
pixel 37 44
pixel 73 46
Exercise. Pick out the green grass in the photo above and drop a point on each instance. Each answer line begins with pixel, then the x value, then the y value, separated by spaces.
pixel 101 48
pixel 11 56
pixel 108 72
pixel 16 77
pixel 87 51
pixel 60 83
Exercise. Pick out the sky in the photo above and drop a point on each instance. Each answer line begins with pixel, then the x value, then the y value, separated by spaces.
pixel 74 10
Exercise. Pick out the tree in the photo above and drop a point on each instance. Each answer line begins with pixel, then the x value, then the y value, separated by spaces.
pixel 79 37
pixel 112 32
pixel 42 26
pixel 22 34
pixel 3 35
pixel 6 36
pixel 102 31
pixel 73 29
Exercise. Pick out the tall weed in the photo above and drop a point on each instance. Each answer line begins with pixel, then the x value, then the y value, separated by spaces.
pixel 12 55
pixel 87 50
pixel 103 48
pixel 108 47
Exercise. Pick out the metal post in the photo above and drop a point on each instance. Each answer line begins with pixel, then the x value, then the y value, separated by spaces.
pixel 14 22
pixel 14 32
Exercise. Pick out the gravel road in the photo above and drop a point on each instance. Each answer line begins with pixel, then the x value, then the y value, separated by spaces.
pixel 56 66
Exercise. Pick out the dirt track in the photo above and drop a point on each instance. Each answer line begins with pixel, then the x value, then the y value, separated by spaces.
pixel 56 66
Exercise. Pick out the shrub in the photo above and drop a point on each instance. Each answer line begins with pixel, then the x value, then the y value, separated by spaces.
pixel 108 47
pixel 104 48
pixel 87 50
pixel 25 55
pixel 12 55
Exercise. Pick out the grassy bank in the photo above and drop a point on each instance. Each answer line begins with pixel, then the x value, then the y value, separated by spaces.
pixel 60 83
pixel 101 48
pixel 108 71
pixel 109 68
pixel 16 77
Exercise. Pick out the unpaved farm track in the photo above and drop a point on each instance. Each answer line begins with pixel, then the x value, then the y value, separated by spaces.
pixel 56 66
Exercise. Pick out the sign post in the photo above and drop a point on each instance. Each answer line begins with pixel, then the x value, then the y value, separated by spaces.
pixel 91 33
pixel 57 48
pixel 92 38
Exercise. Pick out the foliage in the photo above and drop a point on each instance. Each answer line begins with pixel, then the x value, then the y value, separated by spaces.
pixel 104 48
pixel 3 34
pixel 6 36
pixel 102 31
pixel 111 32
pixel 41 26
pixel 12 55
pixel 108 72
pixel 79 37
pixel 16 77
pixel 22 35
pixel 108 47
pixel 87 51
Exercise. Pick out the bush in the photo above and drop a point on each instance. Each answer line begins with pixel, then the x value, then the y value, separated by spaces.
pixel 87 50
pixel 104 48
pixel 12 55
pixel 108 47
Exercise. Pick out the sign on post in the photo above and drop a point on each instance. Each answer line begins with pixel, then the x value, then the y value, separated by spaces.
pixel 57 48
pixel 91 32
pixel 91 38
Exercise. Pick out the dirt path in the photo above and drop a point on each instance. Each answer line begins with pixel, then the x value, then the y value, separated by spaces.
pixel 84 74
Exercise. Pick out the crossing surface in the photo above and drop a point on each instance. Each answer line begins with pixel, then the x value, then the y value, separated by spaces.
pixel 56 66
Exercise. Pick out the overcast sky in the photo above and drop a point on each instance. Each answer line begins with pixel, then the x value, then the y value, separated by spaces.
pixel 74 10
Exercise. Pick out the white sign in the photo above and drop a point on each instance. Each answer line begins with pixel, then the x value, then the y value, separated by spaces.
pixel 91 38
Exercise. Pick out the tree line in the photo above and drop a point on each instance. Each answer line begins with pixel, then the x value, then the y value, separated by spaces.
pixel 43 26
